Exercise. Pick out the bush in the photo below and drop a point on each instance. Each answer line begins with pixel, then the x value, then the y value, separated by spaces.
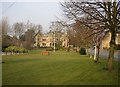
pixel 20 50
pixel 7 50
pixel 82 51
pixel 15 49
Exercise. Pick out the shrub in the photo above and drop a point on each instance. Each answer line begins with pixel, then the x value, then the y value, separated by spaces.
pixel 82 51
pixel 7 50
pixel 20 49
pixel 15 49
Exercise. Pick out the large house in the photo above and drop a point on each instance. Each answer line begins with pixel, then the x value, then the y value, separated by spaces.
pixel 47 40
pixel 106 40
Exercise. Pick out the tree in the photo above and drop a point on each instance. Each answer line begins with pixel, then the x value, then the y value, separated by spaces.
pixel 81 30
pixel 99 16
pixel 15 41
pixel 29 38
pixel 19 29
pixel 6 41
pixel 0 35
pixel 56 28
pixel 5 26
pixel 72 37
pixel 38 28
pixel 22 37
pixel 0 28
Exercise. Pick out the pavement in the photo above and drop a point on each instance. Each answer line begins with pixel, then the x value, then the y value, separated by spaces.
pixel 105 53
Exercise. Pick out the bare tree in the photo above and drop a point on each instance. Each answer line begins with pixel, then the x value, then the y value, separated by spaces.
pixel 0 28
pixel 5 26
pixel 26 39
pixel 56 26
pixel 101 17
pixel 18 29
pixel 29 39
pixel 5 38
pixel 38 28
pixel 57 29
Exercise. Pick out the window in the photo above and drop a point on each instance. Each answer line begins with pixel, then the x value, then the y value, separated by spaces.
pixel 50 44
pixel 43 39
pixel 43 44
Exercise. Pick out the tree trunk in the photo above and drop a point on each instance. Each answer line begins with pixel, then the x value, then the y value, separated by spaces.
pixel 87 52
pixel 111 51
pixel 98 52
pixel 96 56
pixel 111 57
pixel 90 53
pixel 95 53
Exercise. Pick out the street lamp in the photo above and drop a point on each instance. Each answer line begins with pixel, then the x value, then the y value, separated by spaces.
pixel 54 41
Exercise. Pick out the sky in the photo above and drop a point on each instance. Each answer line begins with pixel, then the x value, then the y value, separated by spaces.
pixel 42 12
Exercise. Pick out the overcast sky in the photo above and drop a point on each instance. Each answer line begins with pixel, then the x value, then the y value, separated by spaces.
pixel 36 12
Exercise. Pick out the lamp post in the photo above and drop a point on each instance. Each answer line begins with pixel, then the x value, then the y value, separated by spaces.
pixel 54 41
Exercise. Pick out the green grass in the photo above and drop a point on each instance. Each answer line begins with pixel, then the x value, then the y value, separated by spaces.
pixel 59 68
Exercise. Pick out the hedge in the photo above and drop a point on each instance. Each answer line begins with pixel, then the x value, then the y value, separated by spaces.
pixel 15 49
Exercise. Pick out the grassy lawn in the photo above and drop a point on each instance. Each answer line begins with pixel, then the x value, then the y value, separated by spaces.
pixel 59 68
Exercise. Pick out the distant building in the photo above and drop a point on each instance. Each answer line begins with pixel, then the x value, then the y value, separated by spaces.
pixel 47 40
pixel 106 40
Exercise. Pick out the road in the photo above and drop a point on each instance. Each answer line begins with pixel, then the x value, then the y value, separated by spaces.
pixel 105 53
